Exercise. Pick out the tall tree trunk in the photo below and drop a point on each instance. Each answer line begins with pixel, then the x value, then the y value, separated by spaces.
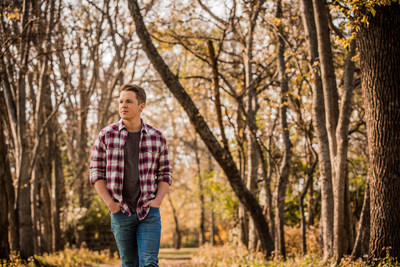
pixel 177 233
pixel 341 239
pixel 24 205
pixel 378 44
pixel 319 122
pixel 287 153
pixel 310 169
pixel 59 196
pixel 362 241
pixel 212 215
pixel 328 76
pixel 251 112
pixel 268 208
pixel 243 219
pixel 253 155
pixel 212 225
pixel 82 130
pixel 202 233
pixel 5 179
pixel 221 155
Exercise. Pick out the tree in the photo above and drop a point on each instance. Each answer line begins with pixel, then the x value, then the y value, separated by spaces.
pixel 26 32
pixel 319 121
pixel 378 43
pixel 287 153
pixel 332 125
pixel 5 198
pixel 222 156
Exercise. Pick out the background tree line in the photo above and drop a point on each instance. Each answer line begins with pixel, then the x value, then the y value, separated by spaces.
pixel 284 134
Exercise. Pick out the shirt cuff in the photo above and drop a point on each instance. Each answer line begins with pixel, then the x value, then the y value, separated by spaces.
pixel 95 176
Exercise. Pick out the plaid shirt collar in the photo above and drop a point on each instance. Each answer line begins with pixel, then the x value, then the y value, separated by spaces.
pixel 122 126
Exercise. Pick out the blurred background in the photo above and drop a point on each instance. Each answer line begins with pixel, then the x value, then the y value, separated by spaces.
pixel 249 69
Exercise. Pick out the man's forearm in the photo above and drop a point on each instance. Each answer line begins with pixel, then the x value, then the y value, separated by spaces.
pixel 162 189
pixel 102 190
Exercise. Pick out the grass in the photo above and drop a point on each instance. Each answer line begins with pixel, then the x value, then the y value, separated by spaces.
pixel 69 257
pixel 176 254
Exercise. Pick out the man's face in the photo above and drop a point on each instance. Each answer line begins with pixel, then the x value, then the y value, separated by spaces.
pixel 129 108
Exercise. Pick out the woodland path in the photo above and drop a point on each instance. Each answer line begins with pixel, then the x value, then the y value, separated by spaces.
pixel 168 258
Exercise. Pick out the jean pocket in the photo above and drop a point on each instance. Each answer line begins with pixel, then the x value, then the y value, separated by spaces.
pixel 119 212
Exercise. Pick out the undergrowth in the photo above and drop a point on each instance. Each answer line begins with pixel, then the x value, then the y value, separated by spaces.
pixel 69 257
pixel 234 256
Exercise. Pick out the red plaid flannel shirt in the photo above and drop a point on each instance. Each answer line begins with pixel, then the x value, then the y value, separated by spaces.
pixel 107 163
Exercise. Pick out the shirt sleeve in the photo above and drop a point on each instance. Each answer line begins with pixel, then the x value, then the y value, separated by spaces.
pixel 164 171
pixel 98 160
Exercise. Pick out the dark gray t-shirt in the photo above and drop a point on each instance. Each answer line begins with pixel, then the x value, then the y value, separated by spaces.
pixel 131 187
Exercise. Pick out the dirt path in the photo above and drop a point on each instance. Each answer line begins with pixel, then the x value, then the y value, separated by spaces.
pixel 168 258
pixel 176 258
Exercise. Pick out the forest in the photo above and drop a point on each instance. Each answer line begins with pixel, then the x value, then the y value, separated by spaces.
pixel 281 118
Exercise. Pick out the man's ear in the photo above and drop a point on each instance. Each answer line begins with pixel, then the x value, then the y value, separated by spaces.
pixel 142 106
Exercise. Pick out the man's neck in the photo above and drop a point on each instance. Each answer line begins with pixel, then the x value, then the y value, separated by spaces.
pixel 133 125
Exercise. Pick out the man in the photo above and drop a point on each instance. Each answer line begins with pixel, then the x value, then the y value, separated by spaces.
pixel 131 172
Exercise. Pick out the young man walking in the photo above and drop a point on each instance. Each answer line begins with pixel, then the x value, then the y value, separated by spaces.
pixel 131 172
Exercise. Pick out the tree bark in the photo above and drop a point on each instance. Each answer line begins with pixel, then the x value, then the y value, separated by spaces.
pixel 15 96
pixel 380 67
pixel 310 169
pixel 251 113
pixel 221 155
pixel 287 153
pixel 60 197
pixel 341 189
pixel 177 234
pixel 202 233
pixel 362 241
pixel 5 179
pixel 319 122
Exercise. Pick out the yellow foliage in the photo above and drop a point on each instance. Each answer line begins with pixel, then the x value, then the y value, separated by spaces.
pixel 69 257
pixel 293 241
pixel 12 14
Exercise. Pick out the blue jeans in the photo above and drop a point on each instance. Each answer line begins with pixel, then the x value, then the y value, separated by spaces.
pixel 138 241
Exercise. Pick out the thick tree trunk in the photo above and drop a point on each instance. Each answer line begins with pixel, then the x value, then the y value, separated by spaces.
pixel 331 98
pixel 24 207
pixel 380 65
pixel 319 122
pixel 221 155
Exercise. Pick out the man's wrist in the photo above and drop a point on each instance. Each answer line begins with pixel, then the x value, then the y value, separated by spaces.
pixel 109 203
pixel 158 201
